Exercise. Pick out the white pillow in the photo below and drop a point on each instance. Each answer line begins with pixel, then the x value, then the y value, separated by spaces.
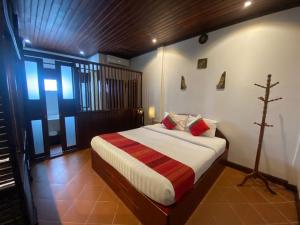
pixel 212 124
pixel 191 119
pixel 180 120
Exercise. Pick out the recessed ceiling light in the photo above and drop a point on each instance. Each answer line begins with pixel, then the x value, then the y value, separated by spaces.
pixel 81 52
pixel 154 40
pixel 27 41
pixel 247 4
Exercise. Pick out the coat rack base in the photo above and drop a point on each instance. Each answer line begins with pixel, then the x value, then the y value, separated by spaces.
pixel 258 175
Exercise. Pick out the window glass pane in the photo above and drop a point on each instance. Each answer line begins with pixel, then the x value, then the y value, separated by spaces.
pixel 50 85
pixel 70 131
pixel 83 96
pixel 67 82
pixel 52 104
pixel 37 134
pixel 32 80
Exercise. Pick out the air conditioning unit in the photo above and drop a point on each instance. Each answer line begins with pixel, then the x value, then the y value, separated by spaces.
pixel 113 60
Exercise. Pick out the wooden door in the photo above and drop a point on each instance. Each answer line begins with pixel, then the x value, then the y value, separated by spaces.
pixel 35 108
pixel 67 95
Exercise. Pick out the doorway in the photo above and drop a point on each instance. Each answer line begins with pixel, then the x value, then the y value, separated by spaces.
pixel 53 118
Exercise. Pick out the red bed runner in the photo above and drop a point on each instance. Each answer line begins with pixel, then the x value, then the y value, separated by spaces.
pixel 181 176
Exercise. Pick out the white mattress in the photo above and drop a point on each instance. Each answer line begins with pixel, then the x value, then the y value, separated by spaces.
pixel 196 152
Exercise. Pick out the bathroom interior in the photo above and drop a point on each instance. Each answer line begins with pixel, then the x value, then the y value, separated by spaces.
pixel 53 118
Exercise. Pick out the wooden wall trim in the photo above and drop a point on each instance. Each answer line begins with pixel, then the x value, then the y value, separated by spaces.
pixel 273 179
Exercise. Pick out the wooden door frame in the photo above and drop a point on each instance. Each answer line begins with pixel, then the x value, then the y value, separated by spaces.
pixel 31 114
pixel 51 74
pixel 61 100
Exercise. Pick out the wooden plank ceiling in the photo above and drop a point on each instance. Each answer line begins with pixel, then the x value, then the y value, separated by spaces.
pixel 126 27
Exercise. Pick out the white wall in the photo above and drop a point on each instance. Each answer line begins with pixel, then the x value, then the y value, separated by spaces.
pixel 247 52
pixel 95 58
pixel 151 66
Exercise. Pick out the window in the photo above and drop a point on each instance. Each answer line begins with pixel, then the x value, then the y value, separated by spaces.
pixel 37 133
pixel 32 80
pixel 70 131
pixel 50 85
pixel 67 82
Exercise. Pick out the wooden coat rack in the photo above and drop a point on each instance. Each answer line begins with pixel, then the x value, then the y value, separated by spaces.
pixel 255 173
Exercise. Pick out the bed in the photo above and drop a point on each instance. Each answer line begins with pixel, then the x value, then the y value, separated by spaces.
pixel 149 195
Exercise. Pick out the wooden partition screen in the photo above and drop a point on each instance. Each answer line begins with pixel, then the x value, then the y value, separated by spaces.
pixel 95 123
pixel 105 98
pixel 104 87
pixel 108 100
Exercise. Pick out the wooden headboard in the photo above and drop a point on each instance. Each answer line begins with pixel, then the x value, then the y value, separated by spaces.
pixel 221 135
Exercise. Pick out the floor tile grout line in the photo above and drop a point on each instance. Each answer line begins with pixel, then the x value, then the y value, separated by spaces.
pixel 284 215
pixel 73 203
pixel 284 196
pixel 278 193
pixel 100 195
pixel 114 218
pixel 252 206
pixel 283 223
pixel 88 217
pixel 237 215
pixel 239 191
pixel 82 167
pixel 267 200
pixel 77 196
pixel 260 213
pixel 93 208
pixel 273 203
pixel 212 187
pixel 73 177
pixel 276 211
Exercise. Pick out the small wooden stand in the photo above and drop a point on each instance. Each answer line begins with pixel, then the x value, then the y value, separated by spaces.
pixel 255 173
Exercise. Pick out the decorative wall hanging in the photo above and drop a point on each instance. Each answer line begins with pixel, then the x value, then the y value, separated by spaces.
pixel 221 84
pixel 202 63
pixel 255 173
pixel 203 38
pixel 182 84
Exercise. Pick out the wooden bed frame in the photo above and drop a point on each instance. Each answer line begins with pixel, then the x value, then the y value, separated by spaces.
pixel 150 212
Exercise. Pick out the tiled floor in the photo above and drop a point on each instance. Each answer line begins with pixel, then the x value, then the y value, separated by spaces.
pixel 68 192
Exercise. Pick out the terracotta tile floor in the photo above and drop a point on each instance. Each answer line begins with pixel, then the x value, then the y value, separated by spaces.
pixel 68 192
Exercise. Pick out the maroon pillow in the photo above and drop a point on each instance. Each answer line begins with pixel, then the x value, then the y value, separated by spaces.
pixel 168 122
pixel 198 127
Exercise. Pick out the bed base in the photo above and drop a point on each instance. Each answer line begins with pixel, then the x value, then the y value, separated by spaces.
pixel 150 212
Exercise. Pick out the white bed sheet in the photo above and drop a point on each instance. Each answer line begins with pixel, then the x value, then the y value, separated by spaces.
pixel 196 152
